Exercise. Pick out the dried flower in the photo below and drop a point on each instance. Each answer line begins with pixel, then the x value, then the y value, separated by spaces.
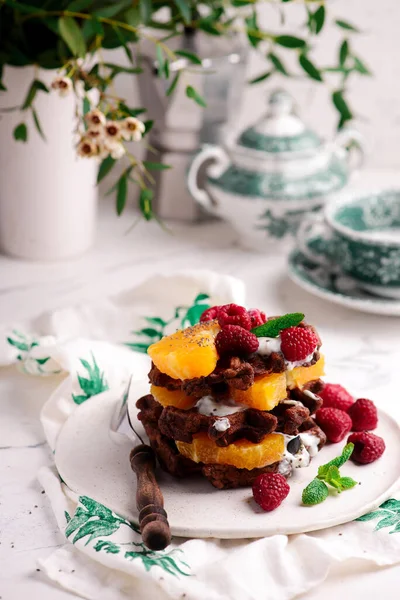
pixel 132 129
pixel 87 148
pixel 94 134
pixel 95 119
pixel 115 149
pixel 63 85
pixel 112 131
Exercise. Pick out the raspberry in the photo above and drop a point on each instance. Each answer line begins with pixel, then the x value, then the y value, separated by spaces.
pixel 269 490
pixel 336 396
pixel 335 423
pixel 233 339
pixel 232 314
pixel 210 314
pixel 363 414
pixel 367 447
pixel 298 342
pixel 257 317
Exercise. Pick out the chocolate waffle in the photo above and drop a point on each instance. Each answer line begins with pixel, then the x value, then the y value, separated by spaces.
pixel 235 371
pixel 228 399
pixel 165 425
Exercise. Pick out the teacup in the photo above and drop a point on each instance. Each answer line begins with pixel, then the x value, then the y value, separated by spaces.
pixel 359 234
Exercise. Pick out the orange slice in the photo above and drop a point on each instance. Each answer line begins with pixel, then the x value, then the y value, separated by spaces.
pixel 188 353
pixel 266 392
pixel 176 398
pixel 301 375
pixel 241 454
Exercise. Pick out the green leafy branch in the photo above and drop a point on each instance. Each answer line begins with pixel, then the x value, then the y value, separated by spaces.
pixel 21 130
pixel 93 385
pixel 347 62
pixel 156 329
pixel 317 491
pixel 61 34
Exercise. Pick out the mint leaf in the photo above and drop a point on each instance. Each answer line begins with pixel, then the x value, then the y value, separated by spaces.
pixel 336 462
pixel 330 474
pixel 333 478
pixel 347 483
pixel 322 471
pixel 333 474
pixel 315 493
pixel 346 453
pixel 274 326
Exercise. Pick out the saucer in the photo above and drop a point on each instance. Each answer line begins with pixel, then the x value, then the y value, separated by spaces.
pixel 328 283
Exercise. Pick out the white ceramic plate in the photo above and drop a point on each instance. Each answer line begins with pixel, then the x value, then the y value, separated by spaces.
pixel 94 461
pixel 330 285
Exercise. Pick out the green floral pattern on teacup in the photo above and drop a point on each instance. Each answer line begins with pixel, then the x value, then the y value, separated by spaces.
pixel 281 225
pixel 253 184
pixel 377 211
pixel 252 138
pixel 371 263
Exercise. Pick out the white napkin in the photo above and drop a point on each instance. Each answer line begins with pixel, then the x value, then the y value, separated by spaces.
pixel 104 557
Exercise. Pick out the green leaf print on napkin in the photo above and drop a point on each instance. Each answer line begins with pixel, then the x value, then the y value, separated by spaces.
pixel 167 561
pixel 25 344
pixel 93 520
pixel 185 316
pixel 95 384
pixel 108 547
pixel 388 513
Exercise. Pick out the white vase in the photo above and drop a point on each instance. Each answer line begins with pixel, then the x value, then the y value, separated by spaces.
pixel 48 195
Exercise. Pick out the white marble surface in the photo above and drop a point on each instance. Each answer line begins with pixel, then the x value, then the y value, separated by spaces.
pixel 362 352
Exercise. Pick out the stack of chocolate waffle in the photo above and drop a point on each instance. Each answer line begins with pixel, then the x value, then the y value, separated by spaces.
pixel 231 416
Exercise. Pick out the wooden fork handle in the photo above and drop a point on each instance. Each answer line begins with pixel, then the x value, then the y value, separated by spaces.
pixel 153 519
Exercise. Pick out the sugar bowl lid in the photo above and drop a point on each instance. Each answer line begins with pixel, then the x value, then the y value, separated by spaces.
pixel 280 130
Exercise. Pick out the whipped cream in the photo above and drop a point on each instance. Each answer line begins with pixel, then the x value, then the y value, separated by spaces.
pixel 268 345
pixel 311 442
pixel 302 458
pixel 310 395
pixel 221 424
pixel 207 405
pixel 292 402
pixel 290 365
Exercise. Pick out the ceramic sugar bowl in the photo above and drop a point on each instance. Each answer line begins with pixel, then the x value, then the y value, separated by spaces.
pixel 272 175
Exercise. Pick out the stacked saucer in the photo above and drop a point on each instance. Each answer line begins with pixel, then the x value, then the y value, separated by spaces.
pixel 351 254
